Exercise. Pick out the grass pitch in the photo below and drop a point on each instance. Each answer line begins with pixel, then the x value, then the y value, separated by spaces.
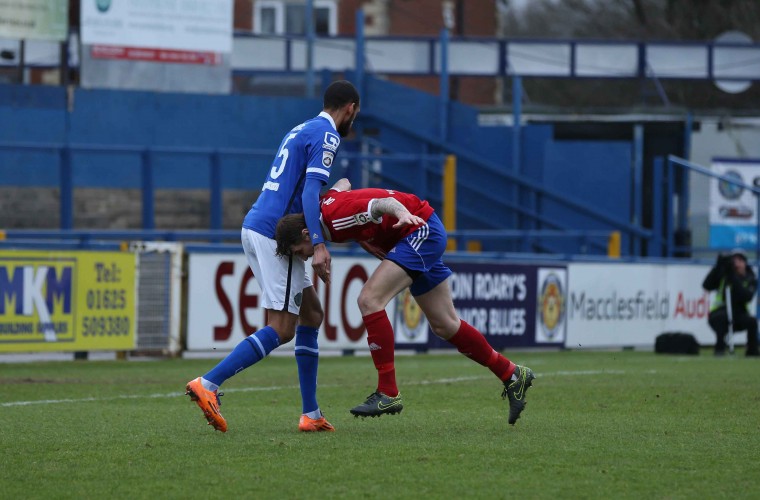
pixel 597 425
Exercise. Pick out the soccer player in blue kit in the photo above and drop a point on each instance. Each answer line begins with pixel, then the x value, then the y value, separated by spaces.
pixel 299 170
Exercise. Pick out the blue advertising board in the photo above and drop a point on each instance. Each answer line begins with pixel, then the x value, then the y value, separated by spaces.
pixel 512 305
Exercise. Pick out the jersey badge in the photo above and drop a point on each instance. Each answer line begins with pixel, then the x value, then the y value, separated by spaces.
pixel 327 158
pixel 362 218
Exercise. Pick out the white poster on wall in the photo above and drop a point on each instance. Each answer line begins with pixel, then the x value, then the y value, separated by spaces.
pixel 733 217
pixel 224 307
pixel 186 25
pixel 617 305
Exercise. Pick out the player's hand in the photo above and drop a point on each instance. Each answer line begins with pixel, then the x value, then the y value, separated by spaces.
pixel 372 249
pixel 408 219
pixel 321 262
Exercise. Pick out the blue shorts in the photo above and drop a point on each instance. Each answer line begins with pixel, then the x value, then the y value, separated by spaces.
pixel 419 254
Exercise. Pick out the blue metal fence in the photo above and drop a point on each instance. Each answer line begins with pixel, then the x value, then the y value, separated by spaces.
pixel 362 169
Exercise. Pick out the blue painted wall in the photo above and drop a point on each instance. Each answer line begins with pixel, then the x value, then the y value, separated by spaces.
pixel 139 119
pixel 594 172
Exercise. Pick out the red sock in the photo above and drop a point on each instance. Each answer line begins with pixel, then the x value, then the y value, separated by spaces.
pixel 381 346
pixel 474 345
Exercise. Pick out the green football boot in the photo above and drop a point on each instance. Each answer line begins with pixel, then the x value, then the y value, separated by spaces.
pixel 378 404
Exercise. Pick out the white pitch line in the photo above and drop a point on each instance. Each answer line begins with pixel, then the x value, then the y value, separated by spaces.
pixel 284 387
pixel 137 396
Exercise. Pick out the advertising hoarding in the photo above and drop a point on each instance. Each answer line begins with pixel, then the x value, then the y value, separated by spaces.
pixel 512 305
pixel 224 308
pixel 157 45
pixel 617 305
pixel 67 301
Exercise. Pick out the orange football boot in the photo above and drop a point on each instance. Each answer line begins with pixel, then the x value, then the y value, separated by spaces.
pixel 320 424
pixel 208 402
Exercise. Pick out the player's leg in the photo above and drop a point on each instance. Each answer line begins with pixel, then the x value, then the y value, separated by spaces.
pixel 438 307
pixel 431 291
pixel 279 298
pixel 307 359
pixel 384 284
pixel 409 259
pixel 307 351
pixel 204 390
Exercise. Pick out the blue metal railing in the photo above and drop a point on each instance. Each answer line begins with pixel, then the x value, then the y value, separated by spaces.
pixel 360 168
pixel 108 239
pixel 425 180
pixel 66 173
pixel 229 240
pixel 355 162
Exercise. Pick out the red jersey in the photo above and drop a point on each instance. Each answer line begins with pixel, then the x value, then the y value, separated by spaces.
pixel 347 216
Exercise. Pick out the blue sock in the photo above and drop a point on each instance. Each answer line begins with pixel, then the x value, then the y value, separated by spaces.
pixel 251 350
pixel 307 358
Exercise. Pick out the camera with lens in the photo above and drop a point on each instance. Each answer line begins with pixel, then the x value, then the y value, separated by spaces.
pixel 725 263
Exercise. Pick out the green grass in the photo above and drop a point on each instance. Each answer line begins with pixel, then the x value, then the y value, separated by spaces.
pixel 597 425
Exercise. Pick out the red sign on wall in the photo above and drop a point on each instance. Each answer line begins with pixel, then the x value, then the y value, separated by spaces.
pixel 155 55
pixel 224 302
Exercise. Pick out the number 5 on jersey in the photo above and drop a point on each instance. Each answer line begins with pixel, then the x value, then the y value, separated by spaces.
pixel 277 169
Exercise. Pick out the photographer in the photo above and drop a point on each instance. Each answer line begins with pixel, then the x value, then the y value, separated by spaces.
pixel 731 271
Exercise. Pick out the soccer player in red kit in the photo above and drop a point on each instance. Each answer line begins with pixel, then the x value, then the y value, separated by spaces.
pixel 406 234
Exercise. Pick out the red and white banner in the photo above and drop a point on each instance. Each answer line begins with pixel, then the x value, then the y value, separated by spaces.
pixel 155 55
pixel 223 304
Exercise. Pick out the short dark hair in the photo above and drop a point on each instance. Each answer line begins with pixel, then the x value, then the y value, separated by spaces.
pixel 340 93
pixel 288 232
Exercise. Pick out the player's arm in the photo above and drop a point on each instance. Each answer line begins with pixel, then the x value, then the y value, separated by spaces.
pixel 321 150
pixel 394 208
pixel 310 197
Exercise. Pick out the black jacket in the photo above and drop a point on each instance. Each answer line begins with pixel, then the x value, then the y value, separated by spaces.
pixel 743 288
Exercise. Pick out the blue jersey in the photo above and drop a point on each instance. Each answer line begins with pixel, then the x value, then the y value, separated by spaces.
pixel 307 151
